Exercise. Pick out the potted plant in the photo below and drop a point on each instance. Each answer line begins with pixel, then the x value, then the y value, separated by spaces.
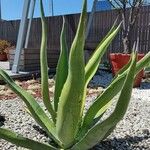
pixel 3 46
pixel 129 18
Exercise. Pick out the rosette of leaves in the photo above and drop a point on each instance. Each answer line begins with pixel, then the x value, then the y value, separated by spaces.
pixel 68 126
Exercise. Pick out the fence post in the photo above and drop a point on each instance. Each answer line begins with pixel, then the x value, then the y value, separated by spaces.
pixel 30 22
pixel 91 15
pixel 21 36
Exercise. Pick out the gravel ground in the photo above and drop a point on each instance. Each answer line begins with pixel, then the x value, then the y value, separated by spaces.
pixel 132 133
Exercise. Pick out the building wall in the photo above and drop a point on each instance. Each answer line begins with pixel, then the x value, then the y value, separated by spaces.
pixel 103 5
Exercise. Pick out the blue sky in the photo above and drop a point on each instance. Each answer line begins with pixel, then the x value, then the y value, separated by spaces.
pixel 12 9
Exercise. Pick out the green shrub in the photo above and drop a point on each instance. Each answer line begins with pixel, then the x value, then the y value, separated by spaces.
pixel 68 126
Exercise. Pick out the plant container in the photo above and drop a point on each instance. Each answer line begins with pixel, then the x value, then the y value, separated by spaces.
pixel 118 60
pixel 3 57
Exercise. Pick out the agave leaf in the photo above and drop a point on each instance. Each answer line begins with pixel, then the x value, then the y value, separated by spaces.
pixel 107 35
pixel 101 104
pixel 104 100
pixel 85 127
pixel 22 141
pixel 94 61
pixel 143 63
pixel 109 132
pixel 70 103
pixel 37 112
pixel 121 71
pixel 98 132
pixel 62 67
pixel 44 66
pixel 109 93
pixel 124 69
pixel 110 31
pixel 103 110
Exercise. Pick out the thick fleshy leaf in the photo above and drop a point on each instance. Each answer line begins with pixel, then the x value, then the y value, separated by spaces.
pixel 143 62
pixel 87 124
pixel 109 132
pixel 94 61
pixel 101 103
pixel 109 93
pixel 37 112
pixel 98 132
pixel 70 103
pixel 110 31
pixel 62 67
pixel 22 141
pixel 44 67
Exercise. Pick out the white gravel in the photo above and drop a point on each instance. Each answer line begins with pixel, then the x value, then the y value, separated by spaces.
pixel 132 133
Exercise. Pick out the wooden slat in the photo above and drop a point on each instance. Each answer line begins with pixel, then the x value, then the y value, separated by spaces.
pixel 101 24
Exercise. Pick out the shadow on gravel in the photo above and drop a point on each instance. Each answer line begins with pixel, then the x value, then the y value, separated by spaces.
pixel 126 143
pixel 144 85
pixel 2 120
pixel 40 130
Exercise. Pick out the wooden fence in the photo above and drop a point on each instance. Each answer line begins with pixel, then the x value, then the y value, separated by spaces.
pixel 100 26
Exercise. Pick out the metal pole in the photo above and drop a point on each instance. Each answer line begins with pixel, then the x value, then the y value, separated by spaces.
pixel 21 36
pixel 90 19
pixel 52 7
pixel 30 22
pixel 0 11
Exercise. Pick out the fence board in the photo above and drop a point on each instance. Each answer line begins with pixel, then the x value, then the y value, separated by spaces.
pixel 101 24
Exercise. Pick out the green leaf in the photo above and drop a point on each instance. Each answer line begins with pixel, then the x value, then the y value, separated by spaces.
pixel 143 63
pixel 37 112
pixel 44 66
pixel 62 67
pixel 70 103
pixel 109 132
pixel 98 132
pixel 106 97
pixel 102 101
pixel 110 31
pixel 103 110
pixel 87 125
pixel 22 141
pixel 94 61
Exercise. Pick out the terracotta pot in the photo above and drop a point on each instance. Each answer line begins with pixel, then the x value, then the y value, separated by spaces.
pixel 118 60
pixel 3 57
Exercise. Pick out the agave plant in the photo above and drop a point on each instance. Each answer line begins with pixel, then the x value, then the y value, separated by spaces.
pixel 68 126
